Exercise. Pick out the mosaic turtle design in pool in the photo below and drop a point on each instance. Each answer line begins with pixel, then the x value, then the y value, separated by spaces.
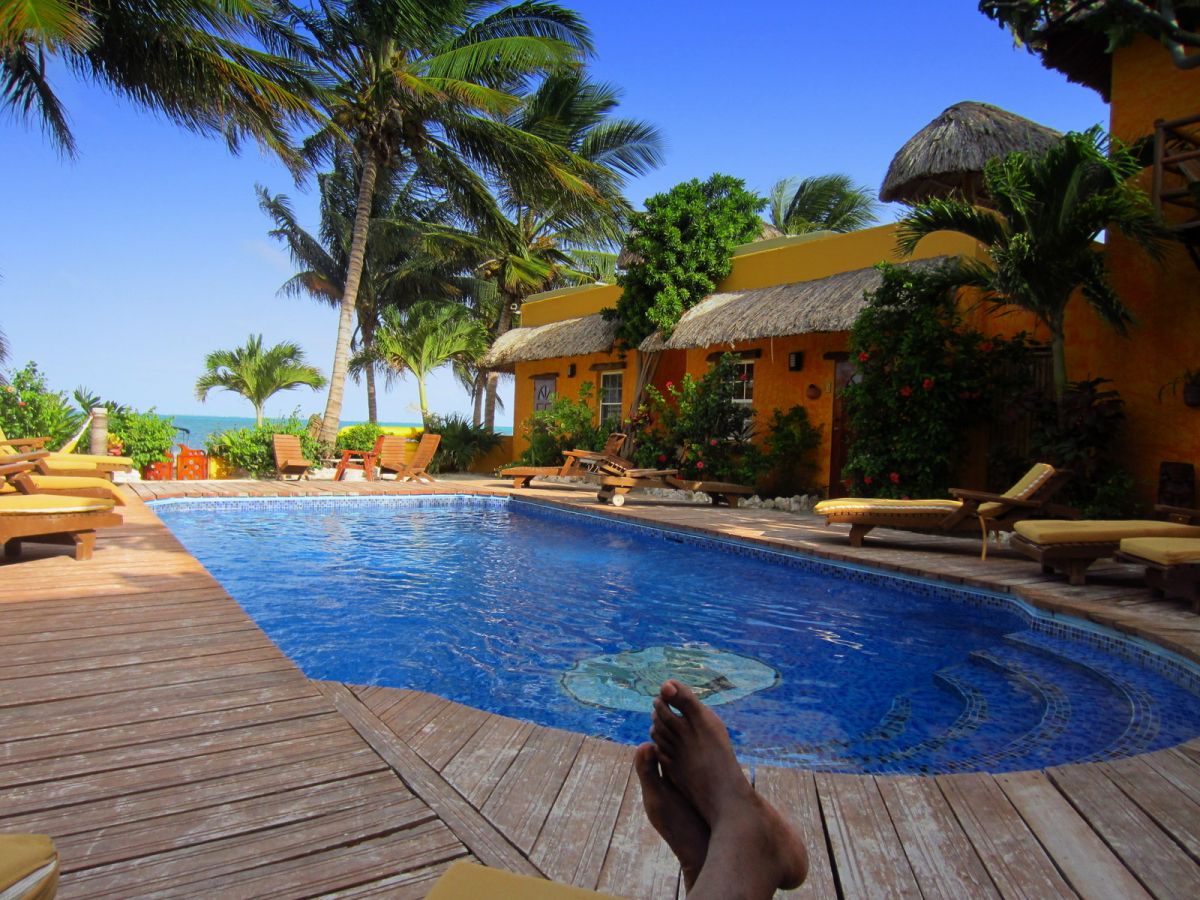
pixel 631 679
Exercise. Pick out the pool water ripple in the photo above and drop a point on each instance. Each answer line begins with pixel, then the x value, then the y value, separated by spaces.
pixel 490 603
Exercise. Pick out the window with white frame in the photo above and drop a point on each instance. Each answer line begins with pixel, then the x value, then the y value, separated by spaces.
pixel 743 384
pixel 610 396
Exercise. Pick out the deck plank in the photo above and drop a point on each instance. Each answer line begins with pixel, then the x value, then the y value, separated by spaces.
pixel 482 761
pixel 794 793
pixel 638 864
pixel 1172 809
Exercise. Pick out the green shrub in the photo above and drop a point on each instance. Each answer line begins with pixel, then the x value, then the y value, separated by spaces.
pixel 462 443
pixel 145 437
pixel 791 453
pixel 28 408
pixel 699 429
pixel 253 451
pixel 565 424
pixel 358 437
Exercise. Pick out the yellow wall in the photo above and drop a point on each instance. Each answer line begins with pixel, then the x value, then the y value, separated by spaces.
pixel 568 303
pixel 1164 298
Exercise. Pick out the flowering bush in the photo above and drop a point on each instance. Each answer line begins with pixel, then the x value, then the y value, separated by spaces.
pixel 565 424
pixel 28 408
pixel 923 381
pixel 696 427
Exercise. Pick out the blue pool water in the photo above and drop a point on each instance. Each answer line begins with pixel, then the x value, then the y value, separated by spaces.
pixel 568 620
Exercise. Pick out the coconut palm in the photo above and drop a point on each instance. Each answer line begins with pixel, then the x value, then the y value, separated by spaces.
pixel 213 66
pixel 821 203
pixel 537 239
pixel 258 374
pixel 426 83
pixel 425 336
pixel 1040 234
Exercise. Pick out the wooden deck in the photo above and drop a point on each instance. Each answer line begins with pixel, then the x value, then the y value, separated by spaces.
pixel 171 749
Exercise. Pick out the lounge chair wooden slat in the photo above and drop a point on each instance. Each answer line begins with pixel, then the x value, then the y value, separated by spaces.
pixel 575 463
pixel 391 457
pixel 63 519
pixel 289 456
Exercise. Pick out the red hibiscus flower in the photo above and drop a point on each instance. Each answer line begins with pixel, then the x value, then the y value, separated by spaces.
pixel 867 479
pixel 700 464
pixel 743 377
pixel 906 391
pixel 662 457
pixel 986 347
pixel 712 442
pixel 895 477
pixel 927 384
pixel 670 384
pixel 864 356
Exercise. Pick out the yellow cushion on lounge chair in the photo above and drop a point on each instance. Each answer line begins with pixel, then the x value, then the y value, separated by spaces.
pixel 90 459
pixel 28 866
pixel 67 483
pixel 1047 531
pixel 468 881
pixel 43 504
pixel 1166 551
pixel 1029 484
pixel 869 505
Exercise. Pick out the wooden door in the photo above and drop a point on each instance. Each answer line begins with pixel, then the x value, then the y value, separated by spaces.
pixel 839 439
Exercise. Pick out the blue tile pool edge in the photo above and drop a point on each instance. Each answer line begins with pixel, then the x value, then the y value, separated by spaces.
pixel 1170 665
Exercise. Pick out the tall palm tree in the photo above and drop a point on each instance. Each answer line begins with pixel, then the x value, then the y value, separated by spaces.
pixel 427 82
pixel 537 239
pixel 214 66
pixel 822 203
pixel 1040 235
pixel 258 374
pixel 425 336
pixel 396 269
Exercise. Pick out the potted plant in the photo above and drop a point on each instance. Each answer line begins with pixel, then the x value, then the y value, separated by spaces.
pixel 1190 381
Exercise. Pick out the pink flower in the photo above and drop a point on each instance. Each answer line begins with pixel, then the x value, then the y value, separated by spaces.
pixel 906 391
pixel 895 477
pixel 927 384
pixel 700 464
pixel 712 442
pixel 662 457
pixel 743 377
pixel 864 356
pixel 670 385
pixel 22 403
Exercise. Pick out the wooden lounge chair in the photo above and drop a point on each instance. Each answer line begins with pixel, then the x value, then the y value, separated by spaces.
pixel 23 479
pixel 68 464
pixel 1073 546
pixel 575 463
pixel 51 518
pixel 970 511
pixel 1172 565
pixel 620 476
pixel 289 456
pixel 391 458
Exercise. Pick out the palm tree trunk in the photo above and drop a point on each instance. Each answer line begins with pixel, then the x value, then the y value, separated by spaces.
pixel 422 399
pixel 477 398
pixel 1058 355
pixel 502 326
pixel 368 340
pixel 258 415
pixel 341 353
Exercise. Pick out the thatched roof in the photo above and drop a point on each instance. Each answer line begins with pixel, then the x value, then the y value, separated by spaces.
pixel 948 154
pixel 802 307
pixel 570 337
pixel 766 232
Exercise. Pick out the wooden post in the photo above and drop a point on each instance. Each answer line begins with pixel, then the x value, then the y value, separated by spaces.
pixel 100 431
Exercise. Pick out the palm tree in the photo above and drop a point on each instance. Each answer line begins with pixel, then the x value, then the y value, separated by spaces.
pixel 425 336
pixel 426 82
pixel 822 203
pixel 258 374
pixel 213 66
pixel 1040 235
pixel 537 239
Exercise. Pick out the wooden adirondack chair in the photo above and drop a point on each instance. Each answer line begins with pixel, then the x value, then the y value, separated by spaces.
pixel 391 457
pixel 289 456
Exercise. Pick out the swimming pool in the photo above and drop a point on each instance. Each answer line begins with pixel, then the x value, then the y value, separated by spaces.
pixel 571 620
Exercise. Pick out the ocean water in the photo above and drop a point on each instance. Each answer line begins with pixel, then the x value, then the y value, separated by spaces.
pixel 198 428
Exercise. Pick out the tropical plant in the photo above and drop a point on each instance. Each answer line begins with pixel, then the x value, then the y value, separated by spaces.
pixel 145 437
pixel 698 428
pixel 790 450
pixel 428 83
pixel 357 437
pixel 821 203
pixel 462 443
pixel 29 408
pixel 215 67
pixel 423 337
pixel 257 373
pixel 252 450
pixel 565 424
pixel 923 380
pixel 1048 210
pixel 683 244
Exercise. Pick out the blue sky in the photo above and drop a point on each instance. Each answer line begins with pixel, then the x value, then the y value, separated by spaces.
pixel 121 269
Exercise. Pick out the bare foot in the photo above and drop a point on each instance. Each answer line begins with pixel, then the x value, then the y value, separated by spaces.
pixel 752 850
pixel 673 817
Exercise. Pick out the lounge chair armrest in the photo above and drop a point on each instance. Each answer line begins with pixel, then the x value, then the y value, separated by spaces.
pixel 22 462
pixel 36 442
pixel 977 497
pixel 1181 514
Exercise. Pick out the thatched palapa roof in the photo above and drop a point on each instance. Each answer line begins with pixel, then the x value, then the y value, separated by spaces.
pixel 947 155
pixel 570 337
pixel 802 307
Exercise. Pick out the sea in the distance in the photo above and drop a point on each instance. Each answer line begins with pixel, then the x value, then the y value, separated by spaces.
pixel 200 427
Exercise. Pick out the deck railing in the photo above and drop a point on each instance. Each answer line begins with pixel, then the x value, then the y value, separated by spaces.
pixel 1177 174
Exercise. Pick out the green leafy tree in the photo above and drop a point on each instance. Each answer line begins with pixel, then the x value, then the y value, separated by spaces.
pixel 29 408
pixel 683 244
pixel 565 424
pixel 425 336
pixel 821 203
pixel 1040 235
pixel 429 83
pixel 257 373
pixel 215 67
